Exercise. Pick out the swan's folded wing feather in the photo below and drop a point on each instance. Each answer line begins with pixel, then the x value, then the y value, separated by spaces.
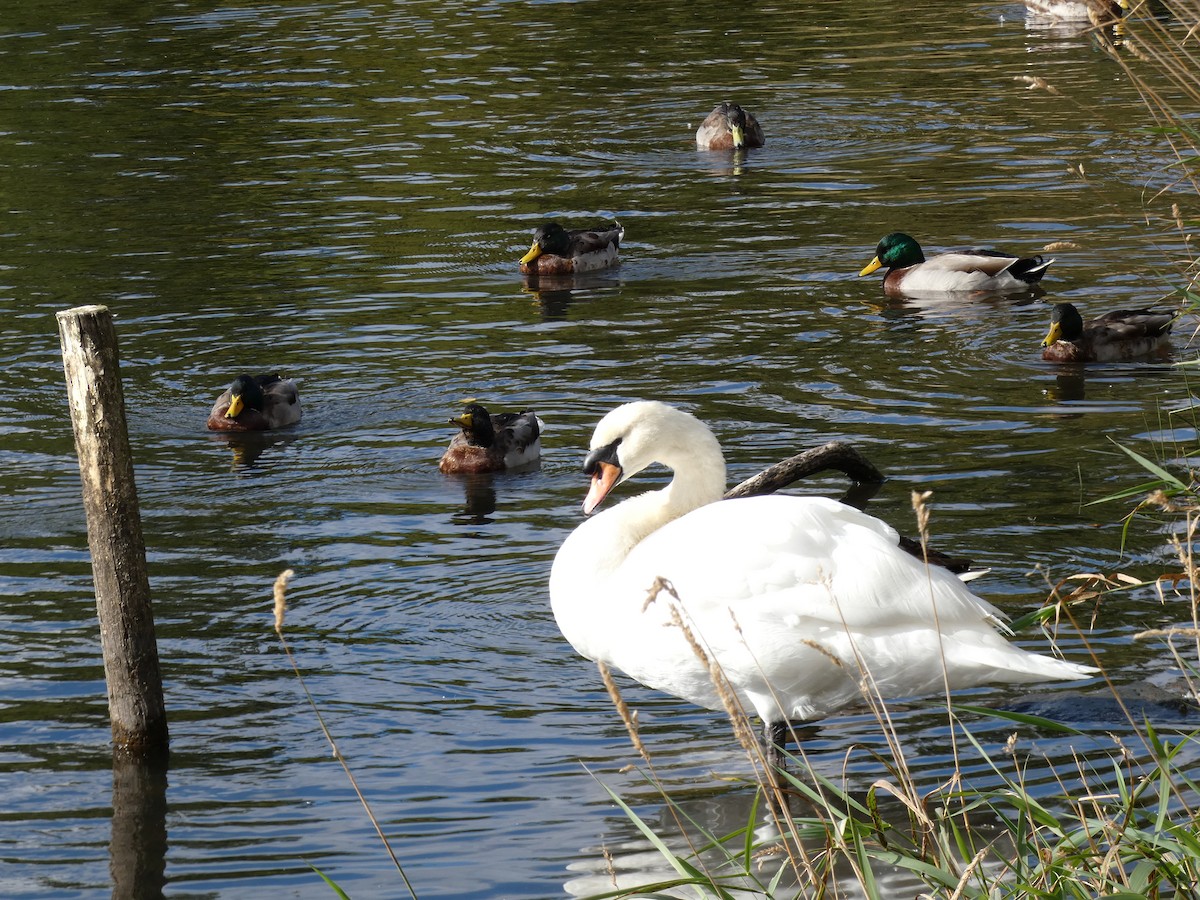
pixel 799 564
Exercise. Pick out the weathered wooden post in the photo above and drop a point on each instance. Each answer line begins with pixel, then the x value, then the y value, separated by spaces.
pixel 135 698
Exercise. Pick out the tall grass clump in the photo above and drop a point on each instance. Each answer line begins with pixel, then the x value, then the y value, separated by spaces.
pixel 1159 50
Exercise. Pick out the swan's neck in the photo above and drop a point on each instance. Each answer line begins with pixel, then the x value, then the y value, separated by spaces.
pixel 602 543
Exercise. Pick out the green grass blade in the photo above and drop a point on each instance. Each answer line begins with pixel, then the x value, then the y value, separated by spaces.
pixel 1020 718
pixel 1154 469
pixel 329 881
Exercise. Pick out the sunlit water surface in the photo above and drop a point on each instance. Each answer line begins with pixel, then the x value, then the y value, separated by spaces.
pixel 341 190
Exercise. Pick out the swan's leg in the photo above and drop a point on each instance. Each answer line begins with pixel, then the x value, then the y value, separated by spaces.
pixel 776 736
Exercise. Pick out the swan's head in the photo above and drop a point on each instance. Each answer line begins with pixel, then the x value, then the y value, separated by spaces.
pixel 635 435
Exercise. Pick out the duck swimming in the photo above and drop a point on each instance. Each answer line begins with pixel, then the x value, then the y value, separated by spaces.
pixel 1118 335
pixel 729 127
pixel 556 251
pixel 491 443
pixel 909 272
pixel 1097 12
pixel 819 590
pixel 256 403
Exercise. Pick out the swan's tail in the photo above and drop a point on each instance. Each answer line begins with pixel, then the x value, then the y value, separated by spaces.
pixel 1015 665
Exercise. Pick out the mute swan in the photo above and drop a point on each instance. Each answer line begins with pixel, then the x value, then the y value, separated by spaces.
pixel 794 596
pixel 1096 12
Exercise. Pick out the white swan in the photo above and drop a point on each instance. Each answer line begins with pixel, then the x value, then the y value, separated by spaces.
pixel 795 596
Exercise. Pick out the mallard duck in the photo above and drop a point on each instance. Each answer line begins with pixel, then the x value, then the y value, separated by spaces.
pixel 1097 12
pixel 490 443
pixel 909 272
pixel 556 251
pixel 792 596
pixel 1117 335
pixel 729 127
pixel 256 403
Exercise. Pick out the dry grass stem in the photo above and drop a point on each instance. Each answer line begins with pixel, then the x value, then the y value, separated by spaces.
pixel 279 593
pixel 627 716
pixel 1167 633
pixel 967 873
pixel 920 504
pixel 1035 83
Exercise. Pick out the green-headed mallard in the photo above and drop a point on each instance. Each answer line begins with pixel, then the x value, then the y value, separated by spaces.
pixel 729 127
pixel 1121 334
pixel 909 272
pixel 256 403
pixel 556 251
pixel 490 443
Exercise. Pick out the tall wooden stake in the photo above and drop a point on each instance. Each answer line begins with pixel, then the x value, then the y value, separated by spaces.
pixel 135 696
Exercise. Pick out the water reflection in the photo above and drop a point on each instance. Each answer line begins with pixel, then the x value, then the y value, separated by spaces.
pixel 1069 385
pixel 725 162
pixel 960 305
pixel 246 447
pixel 479 491
pixel 627 860
pixel 138 847
pixel 555 294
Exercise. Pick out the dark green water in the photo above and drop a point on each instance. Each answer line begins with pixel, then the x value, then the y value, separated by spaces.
pixel 341 190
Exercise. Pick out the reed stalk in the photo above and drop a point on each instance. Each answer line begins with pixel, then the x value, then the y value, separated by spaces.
pixel 279 593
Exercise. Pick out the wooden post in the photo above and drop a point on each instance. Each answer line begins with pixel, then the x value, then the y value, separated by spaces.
pixel 135 697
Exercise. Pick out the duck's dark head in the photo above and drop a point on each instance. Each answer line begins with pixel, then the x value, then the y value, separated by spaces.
pixel 1065 324
pixel 244 393
pixel 476 425
pixel 896 251
pixel 549 238
pixel 736 117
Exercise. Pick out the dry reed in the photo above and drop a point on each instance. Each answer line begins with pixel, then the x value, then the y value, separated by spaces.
pixel 279 594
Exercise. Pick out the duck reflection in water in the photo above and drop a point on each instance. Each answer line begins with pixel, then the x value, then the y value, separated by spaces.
pixel 552 294
pixel 479 504
pixel 1068 385
pixel 247 446
pixel 556 294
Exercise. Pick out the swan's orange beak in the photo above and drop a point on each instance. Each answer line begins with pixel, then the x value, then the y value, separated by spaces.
pixel 606 477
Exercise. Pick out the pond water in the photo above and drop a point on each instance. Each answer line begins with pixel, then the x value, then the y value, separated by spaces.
pixel 340 191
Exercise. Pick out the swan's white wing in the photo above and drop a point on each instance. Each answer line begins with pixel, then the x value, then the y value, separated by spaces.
pixel 784 559
pixel 796 597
